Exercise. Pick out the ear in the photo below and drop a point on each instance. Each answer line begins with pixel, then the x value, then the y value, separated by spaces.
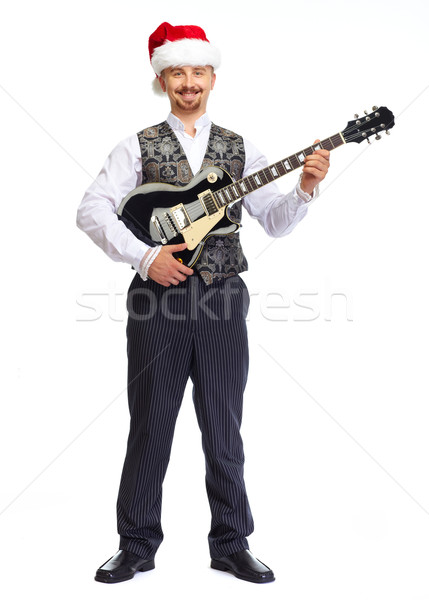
pixel 161 82
pixel 213 80
pixel 156 87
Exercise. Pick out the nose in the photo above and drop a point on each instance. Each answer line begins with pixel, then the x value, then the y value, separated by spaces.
pixel 189 81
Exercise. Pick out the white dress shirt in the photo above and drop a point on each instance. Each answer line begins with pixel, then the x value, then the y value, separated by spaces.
pixel 122 172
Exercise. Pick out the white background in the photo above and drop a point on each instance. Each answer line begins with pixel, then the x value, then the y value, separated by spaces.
pixel 336 415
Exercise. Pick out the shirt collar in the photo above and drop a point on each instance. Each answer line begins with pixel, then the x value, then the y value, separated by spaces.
pixel 176 124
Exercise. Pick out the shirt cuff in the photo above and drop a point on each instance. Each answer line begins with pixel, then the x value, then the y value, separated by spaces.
pixel 137 250
pixel 304 196
pixel 147 261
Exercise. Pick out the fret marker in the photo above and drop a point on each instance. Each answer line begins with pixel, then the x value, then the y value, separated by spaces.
pixel 317 147
pixel 258 181
pixel 301 157
pixel 287 165
pixel 218 198
pixel 243 187
pixel 274 171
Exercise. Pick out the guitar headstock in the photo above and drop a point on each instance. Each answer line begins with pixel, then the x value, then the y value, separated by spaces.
pixel 362 128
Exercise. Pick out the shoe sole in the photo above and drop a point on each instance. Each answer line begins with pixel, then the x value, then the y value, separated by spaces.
pixel 219 566
pixel 146 567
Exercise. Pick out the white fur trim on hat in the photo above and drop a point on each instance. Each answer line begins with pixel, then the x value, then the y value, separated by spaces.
pixel 196 53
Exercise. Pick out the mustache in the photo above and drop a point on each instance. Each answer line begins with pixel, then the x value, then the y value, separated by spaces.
pixel 189 89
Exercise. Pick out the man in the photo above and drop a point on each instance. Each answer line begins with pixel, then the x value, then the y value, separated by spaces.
pixel 197 327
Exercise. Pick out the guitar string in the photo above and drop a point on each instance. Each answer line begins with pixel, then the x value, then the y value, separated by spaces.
pixel 196 210
pixel 235 190
pixel 266 171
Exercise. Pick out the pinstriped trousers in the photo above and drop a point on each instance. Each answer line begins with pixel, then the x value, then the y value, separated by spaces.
pixel 197 331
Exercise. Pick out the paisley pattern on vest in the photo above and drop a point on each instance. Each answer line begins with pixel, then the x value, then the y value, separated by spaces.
pixel 164 160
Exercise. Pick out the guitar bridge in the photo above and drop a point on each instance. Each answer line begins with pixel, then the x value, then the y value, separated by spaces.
pixel 170 223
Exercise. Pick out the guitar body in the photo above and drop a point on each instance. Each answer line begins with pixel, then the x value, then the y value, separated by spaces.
pixel 161 213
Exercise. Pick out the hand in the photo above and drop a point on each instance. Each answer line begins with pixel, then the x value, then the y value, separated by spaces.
pixel 166 269
pixel 315 169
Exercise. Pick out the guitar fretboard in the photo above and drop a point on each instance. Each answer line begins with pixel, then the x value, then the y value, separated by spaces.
pixel 237 190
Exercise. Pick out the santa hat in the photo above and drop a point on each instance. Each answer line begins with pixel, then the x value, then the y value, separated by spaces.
pixel 178 46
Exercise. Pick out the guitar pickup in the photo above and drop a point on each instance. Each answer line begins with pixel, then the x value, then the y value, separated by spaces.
pixel 181 216
pixel 208 202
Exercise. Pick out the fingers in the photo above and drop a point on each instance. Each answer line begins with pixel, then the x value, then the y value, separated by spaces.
pixel 166 269
pixel 315 168
pixel 176 247
pixel 321 151
pixel 316 162
pixel 182 268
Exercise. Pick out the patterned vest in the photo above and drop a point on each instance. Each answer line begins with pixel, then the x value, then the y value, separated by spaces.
pixel 164 160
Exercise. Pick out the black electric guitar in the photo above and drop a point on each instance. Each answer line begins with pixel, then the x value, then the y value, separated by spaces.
pixel 160 213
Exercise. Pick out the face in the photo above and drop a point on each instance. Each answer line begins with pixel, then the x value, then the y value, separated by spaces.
pixel 188 88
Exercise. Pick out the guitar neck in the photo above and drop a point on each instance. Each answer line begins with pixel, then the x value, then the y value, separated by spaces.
pixel 237 190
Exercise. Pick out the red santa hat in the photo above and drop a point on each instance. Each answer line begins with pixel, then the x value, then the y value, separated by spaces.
pixel 178 46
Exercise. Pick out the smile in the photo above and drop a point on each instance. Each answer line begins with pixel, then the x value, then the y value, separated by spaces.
pixel 189 95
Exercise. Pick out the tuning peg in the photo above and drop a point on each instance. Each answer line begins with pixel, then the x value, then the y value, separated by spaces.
pixel 387 132
pixel 365 112
pixel 378 136
pixel 375 108
pixel 356 116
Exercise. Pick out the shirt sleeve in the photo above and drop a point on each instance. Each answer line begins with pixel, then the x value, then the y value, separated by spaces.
pixel 277 213
pixel 96 215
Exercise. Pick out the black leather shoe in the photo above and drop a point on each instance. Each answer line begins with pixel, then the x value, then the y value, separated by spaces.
pixel 244 566
pixel 122 566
